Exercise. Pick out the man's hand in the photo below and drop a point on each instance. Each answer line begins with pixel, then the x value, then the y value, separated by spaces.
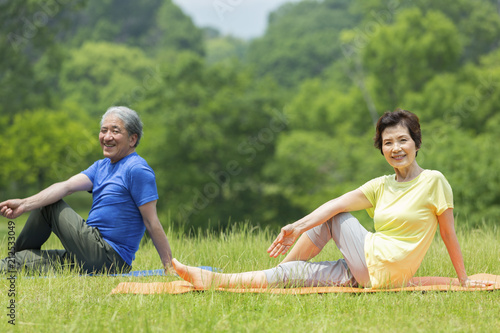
pixel 12 208
pixel 284 241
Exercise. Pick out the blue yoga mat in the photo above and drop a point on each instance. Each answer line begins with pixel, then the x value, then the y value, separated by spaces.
pixel 159 272
pixel 150 272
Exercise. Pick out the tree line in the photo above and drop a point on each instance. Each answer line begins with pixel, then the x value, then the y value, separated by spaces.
pixel 262 130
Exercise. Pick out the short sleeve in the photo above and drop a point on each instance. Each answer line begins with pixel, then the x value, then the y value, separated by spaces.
pixel 142 184
pixel 91 171
pixel 372 190
pixel 441 195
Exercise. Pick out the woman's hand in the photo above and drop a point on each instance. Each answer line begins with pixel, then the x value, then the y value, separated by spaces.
pixel 476 283
pixel 284 241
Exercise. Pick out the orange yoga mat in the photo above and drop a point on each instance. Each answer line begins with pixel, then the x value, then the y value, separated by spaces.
pixel 180 287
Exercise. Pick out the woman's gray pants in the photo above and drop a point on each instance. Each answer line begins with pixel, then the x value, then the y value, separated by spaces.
pixel 349 235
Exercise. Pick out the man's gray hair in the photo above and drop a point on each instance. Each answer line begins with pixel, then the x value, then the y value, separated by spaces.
pixel 130 118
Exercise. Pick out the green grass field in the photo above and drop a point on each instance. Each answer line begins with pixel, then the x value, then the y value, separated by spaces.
pixel 71 303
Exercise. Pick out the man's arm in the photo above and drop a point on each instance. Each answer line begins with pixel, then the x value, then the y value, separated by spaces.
pixel 157 234
pixel 16 207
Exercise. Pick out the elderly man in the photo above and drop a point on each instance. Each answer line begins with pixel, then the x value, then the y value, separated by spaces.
pixel 124 194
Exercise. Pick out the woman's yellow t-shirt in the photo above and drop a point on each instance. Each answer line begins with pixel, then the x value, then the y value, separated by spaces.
pixel 405 217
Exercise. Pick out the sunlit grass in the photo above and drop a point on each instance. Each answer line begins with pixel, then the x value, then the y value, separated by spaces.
pixel 73 303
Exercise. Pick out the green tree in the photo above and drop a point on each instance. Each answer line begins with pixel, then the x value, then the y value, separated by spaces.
pixel 297 46
pixel 477 22
pixel 29 31
pixel 404 56
pixel 468 97
pixel 153 25
pixel 99 74
pixel 174 31
pixel 213 130
pixel 114 21
pixel 328 148
pixel 469 162
pixel 225 48
pixel 44 146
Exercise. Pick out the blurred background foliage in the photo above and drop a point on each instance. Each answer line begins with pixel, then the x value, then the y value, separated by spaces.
pixel 262 130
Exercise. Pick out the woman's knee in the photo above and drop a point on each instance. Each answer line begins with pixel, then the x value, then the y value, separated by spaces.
pixel 343 217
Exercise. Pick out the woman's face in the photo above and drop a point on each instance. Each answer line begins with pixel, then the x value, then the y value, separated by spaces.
pixel 398 147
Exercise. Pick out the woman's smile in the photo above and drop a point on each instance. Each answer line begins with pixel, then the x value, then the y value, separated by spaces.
pixel 400 151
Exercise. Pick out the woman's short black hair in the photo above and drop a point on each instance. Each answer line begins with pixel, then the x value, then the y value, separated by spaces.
pixel 398 117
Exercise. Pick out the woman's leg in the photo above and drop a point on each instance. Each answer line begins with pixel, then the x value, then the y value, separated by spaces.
pixel 304 249
pixel 203 279
pixel 310 274
pixel 347 233
pixel 349 236
pixel 290 274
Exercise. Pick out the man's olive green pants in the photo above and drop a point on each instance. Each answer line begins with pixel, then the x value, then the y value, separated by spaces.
pixel 84 247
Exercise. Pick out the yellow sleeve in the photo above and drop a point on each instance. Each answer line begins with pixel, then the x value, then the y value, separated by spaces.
pixel 372 190
pixel 441 194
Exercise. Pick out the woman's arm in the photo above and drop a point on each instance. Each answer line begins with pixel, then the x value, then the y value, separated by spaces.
pixel 449 236
pixel 351 201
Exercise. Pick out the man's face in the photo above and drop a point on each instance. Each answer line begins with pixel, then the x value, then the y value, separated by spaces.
pixel 114 139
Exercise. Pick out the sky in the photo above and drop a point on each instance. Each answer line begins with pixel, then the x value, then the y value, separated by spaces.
pixel 245 19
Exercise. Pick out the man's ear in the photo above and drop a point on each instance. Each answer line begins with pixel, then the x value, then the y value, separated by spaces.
pixel 133 140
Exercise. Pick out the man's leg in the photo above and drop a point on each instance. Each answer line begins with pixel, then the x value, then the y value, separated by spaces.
pixel 39 261
pixel 83 243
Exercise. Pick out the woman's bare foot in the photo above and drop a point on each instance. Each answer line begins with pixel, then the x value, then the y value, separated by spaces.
pixel 203 279
pixel 200 278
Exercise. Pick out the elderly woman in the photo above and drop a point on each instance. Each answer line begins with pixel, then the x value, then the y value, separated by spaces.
pixel 406 206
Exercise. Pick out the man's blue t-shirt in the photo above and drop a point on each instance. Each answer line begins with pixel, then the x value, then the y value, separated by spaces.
pixel 118 191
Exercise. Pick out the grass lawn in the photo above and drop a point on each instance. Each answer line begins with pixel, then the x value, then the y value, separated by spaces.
pixel 71 303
